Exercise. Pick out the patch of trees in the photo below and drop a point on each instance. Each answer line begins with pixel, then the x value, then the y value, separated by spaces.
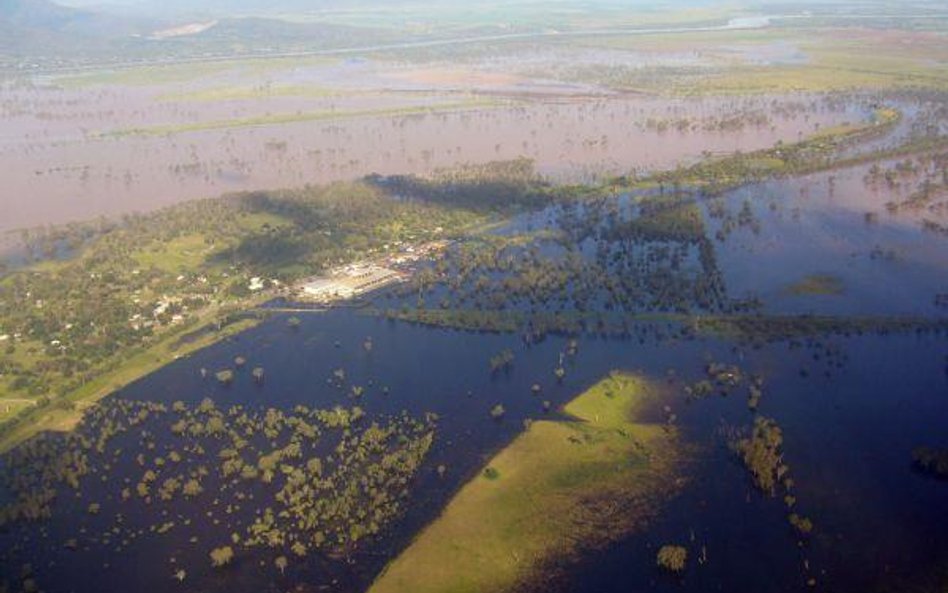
pixel 821 152
pixel 306 481
pixel 762 455
pixel 594 258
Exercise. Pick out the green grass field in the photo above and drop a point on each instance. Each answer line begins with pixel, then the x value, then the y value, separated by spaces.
pixel 188 253
pixel 540 498
pixel 9 407
pixel 181 254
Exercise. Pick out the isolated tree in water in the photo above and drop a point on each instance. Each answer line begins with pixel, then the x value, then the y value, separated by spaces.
pixel 222 556
pixel 672 558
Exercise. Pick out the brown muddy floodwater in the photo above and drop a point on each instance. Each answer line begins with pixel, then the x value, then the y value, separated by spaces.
pixel 75 152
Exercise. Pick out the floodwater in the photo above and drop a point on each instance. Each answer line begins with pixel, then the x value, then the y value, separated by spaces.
pixel 816 226
pixel 74 151
pixel 851 409
pixel 879 525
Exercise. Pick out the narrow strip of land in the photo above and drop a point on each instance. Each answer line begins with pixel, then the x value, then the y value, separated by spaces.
pixel 559 486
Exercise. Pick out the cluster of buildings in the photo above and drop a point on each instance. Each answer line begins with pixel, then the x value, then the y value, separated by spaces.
pixel 350 281
pixel 360 278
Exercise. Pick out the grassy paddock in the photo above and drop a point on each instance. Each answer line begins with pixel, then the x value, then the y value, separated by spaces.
pixel 560 485
pixel 190 252
pixel 9 407
pixel 181 254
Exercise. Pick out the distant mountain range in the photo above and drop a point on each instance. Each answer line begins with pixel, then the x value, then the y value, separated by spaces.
pixel 40 34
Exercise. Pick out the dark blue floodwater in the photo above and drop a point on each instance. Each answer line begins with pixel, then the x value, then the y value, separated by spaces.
pixel 425 370
pixel 816 226
pixel 848 440
pixel 880 525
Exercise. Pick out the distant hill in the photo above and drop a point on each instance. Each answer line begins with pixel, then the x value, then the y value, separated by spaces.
pixel 41 34
pixel 39 14
pixel 43 15
pixel 260 33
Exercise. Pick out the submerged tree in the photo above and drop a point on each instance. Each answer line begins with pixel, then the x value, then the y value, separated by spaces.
pixel 329 502
pixel 559 372
pixel 672 558
pixel 221 556
pixel 502 361
pixel 802 524
pixel 298 548
pixel 761 454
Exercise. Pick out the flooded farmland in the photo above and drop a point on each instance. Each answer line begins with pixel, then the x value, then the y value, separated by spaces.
pixel 121 148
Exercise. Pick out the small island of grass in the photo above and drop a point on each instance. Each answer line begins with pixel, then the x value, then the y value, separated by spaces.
pixel 817 284
pixel 560 485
